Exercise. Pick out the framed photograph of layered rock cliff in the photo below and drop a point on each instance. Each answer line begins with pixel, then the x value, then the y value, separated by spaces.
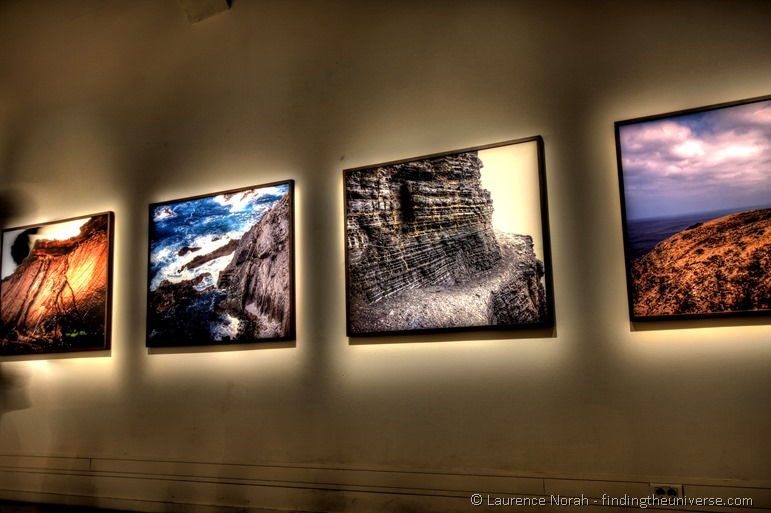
pixel 221 268
pixel 448 242
pixel 696 204
pixel 56 286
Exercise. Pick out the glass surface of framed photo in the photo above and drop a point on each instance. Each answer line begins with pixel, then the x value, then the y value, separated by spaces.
pixel 696 205
pixel 221 268
pixel 55 293
pixel 448 242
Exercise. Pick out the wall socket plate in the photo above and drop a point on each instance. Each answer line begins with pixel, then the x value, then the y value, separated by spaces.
pixel 666 490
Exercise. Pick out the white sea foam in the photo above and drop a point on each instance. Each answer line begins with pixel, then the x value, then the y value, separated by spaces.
pixel 162 255
pixel 175 274
pixel 172 264
pixel 205 283
pixel 240 200
pixel 161 213
pixel 227 328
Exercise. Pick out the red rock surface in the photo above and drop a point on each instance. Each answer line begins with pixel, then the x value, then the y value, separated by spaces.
pixel 723 265
pixel 58 292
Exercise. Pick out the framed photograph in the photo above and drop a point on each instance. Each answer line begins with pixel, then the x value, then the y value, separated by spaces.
pixel 696 205
pixel 221 268
pixel 56 286
pixel 447 242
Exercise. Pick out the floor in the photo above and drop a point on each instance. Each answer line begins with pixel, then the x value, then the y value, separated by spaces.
pixel 26 507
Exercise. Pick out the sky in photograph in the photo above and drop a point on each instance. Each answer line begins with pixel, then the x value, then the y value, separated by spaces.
pixel 700 162
pixel 54 231
pixel 510 173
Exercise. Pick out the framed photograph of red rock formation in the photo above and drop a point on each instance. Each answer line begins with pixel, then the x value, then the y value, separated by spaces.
pixel 696 204
pixel 221 268
pixel 448 242
pixel 56 286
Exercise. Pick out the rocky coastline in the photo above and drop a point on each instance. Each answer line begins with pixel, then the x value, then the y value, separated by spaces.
pixel 250 299
pixel 723 265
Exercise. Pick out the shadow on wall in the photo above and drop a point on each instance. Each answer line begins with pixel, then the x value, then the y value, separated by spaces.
pixel 13 387
pixel 13 392
pixel 13 397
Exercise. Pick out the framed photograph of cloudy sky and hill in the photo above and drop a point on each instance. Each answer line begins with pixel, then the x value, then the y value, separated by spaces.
pixel 448 242
pixel 56 286
pixel 696 204
pixel 221 268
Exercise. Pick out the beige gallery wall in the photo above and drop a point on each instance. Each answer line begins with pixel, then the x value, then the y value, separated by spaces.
pixel 114 105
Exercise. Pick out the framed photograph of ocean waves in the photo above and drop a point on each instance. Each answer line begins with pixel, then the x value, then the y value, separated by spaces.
pixel 56 286
pixel 696 205
pixel 221 268
pixel 448 242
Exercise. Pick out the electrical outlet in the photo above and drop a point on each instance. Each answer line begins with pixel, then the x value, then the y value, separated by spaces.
pixel 666 490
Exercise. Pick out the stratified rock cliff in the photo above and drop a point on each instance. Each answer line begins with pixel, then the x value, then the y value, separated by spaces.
pixel 521 299
pixel 56 298
pixel 418 224
pixel 719 266
pixel 422 252
pixel 256 281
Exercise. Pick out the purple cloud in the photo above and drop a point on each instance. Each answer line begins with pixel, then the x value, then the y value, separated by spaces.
pixel 698 162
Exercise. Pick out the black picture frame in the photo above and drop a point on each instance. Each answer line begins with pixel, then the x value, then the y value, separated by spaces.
pixel 544 318
pixel 286 330
pixel 85 320
pixel 642 236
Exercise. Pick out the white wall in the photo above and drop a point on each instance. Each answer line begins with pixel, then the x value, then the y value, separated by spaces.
pixel 113 105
